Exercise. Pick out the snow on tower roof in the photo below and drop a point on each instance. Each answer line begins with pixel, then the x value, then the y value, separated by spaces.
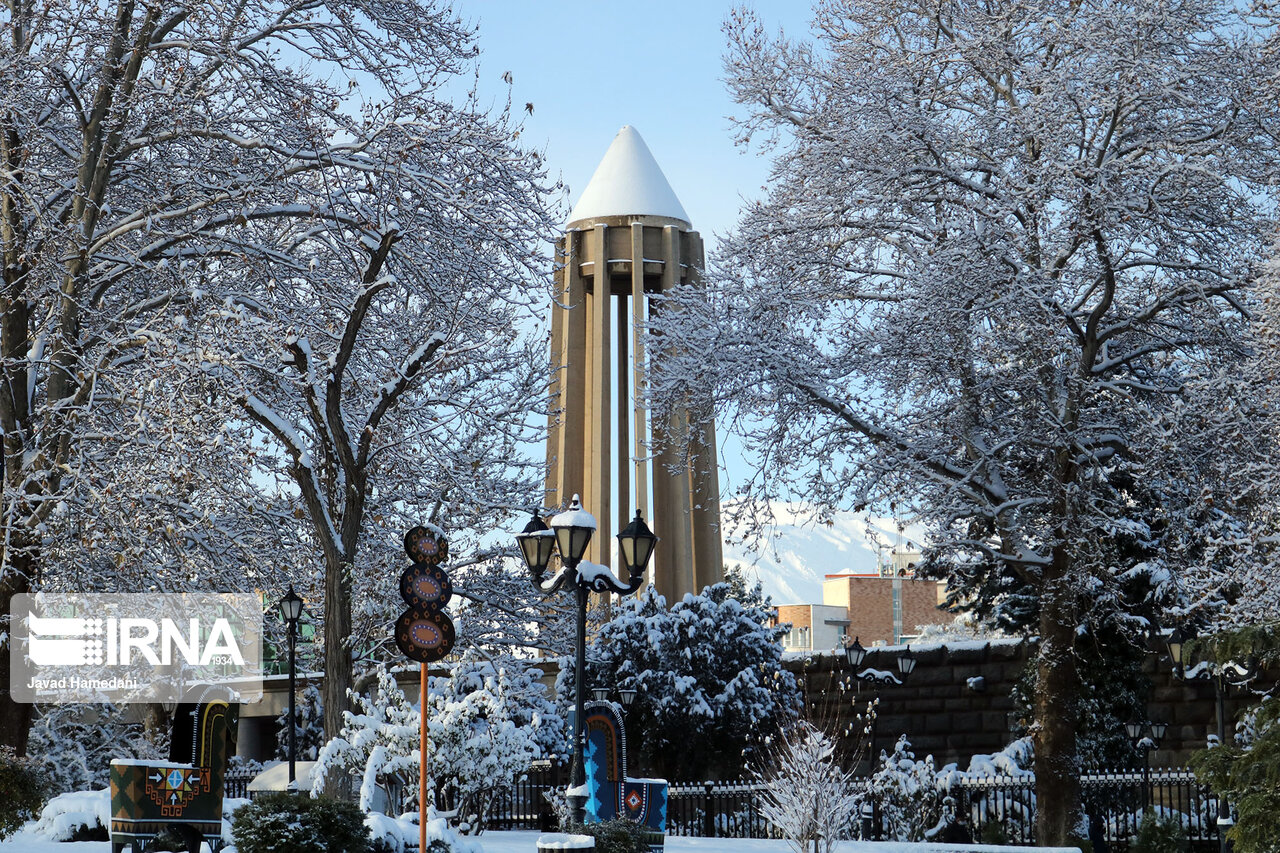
pixel 628 182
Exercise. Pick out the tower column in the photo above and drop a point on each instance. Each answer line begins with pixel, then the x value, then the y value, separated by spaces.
pixel 599 488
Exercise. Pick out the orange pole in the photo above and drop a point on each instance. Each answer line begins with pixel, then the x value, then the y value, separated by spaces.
pixel 422 762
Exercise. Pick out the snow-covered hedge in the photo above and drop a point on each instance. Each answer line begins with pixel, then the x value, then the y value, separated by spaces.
pixel 67 813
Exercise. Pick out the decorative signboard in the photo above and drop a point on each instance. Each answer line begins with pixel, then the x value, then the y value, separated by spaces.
pixel 424 632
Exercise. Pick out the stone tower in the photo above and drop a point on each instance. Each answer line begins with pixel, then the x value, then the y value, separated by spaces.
pixel 629 237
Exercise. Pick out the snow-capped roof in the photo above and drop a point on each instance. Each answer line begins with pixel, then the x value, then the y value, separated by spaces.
pixel 628 182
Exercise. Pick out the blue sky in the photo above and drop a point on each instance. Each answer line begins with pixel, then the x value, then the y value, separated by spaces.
pixel 588 68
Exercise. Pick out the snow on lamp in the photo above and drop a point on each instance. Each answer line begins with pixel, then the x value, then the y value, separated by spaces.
pixel 573 529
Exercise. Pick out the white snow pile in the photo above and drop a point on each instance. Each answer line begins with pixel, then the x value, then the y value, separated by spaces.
pixel 401 833
pixel 66 813
pixel 1014 760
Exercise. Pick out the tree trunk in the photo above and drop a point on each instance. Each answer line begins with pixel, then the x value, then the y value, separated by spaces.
pixel 1057 766
pixel 338 670
pixel 15 717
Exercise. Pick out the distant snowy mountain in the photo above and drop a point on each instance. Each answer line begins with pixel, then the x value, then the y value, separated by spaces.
pixel 796 553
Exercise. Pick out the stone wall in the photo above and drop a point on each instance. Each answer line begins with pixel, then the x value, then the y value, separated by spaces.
pixel 957 701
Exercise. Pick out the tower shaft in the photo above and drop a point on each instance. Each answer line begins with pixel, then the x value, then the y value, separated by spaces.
pixel 600 436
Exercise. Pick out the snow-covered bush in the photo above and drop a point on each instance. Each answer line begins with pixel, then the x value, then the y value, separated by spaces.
pixel 378 746
pixel 284 822
pixel 807 796
pixel 709 673
pixel 1006 812
pixel 23 789
pixel 488 721
pixel 74 744
pixel 908 794
pixel 308 730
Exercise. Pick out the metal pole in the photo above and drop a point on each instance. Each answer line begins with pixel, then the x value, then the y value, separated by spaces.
pixel 293 708
pixel 422 759
pixel 1146 776
pixel 1224 809
pixel 578 778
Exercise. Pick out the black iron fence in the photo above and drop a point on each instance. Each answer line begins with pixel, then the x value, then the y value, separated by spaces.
pixel 716 810
pixel 997 809
pixel 1002 808
pixel 236 782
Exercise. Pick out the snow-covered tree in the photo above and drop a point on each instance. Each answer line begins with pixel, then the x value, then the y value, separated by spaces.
pixel 807 796
pixel 376 747
pixel 489 720
pixel 1002 247
pixel 907 793
pixel 74 745
pixel 261 233
pixel 308 726
pixel 709 674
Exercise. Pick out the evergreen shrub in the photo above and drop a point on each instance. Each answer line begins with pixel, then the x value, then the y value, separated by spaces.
pixel 285 822
pixel 23 791
pixel 616 836
pixel 1159 834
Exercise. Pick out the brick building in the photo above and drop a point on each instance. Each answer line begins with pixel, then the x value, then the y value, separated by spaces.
pixel 881 607
pixel 885 609
pixel 814 626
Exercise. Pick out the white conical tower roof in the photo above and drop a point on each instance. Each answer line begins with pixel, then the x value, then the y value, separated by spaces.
pixel 628 182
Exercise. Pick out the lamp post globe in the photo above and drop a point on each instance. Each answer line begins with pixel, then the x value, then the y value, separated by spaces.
pixel 906 663
pixel 536 543
pixel 636 542
pixel 291 608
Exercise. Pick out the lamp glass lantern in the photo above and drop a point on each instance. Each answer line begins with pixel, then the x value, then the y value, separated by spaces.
pixel 628 695
pixel 573 529
pixel 600 693
pixel 536 543
pixel 1134 730
pixel 291 607
pixel 1158 730
pixel 1175 643
pixel 636 542
pixel 906 663
pixel 855 653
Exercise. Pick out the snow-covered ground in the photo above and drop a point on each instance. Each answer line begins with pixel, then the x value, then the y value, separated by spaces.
pixel 526 842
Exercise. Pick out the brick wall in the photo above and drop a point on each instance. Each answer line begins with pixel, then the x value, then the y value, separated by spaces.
pixel 943 715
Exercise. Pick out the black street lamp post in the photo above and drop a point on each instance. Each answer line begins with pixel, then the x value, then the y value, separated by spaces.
pixel 1146 742
pixel 855 654
pixel 569 534
pixel 291 612
pixel 1223 676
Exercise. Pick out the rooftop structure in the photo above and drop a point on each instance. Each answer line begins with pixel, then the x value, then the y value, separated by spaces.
pixel 628 182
